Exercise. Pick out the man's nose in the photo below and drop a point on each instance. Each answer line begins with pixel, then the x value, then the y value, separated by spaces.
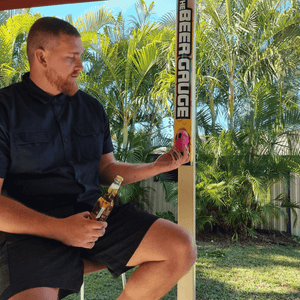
pixel 79 65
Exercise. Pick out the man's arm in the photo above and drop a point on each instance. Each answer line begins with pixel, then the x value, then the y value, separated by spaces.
pixel 77 230
pixel 109 168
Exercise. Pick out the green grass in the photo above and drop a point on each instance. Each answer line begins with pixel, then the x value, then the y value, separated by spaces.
pixel 224 272
pixel 237 272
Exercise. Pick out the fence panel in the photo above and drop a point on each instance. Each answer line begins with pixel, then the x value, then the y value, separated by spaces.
pixel 156 197
pixel 278 224
pixel 295 197
pixel 281 223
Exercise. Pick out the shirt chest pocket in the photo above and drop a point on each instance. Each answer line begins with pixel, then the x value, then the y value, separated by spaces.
pixel 32 148
pixel 89 141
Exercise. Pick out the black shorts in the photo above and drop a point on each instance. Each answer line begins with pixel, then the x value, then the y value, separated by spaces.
pixel 28 261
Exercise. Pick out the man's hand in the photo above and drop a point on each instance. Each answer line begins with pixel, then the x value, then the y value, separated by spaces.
pixel 172 159
pixel 109 168
pixel 79 230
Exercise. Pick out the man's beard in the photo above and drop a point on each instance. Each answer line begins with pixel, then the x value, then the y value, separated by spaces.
pixel 65 86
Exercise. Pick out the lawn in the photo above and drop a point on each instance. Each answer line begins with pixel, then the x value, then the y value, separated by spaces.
pixel 225 271
pixel 238 272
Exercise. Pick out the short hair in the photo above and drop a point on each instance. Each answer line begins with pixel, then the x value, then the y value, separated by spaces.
pixel 44 30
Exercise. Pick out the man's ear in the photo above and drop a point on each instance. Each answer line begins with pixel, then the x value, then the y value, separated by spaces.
pixel 40 57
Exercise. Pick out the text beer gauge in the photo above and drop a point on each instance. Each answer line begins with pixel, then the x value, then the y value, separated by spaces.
pixel 184 129
pixel 184 125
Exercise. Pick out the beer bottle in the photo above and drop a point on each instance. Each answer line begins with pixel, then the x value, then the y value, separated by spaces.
pixel 105 203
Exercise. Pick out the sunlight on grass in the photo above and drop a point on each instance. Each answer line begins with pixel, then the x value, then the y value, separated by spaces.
pixel 284 259
pixel 252 272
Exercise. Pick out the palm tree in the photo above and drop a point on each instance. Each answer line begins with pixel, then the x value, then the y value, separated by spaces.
pixel 95 20
pixel 13 58
pixel 144 14
pixel 245 42
pixel 121 74
pixel 247 70
pixel 5 14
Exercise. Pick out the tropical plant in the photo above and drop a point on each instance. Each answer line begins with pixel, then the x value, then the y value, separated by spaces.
pixel 234 182
pixel 248 77
pixel 167 215
pixel 13 58
pixel 144 14
pixel 243 44
pixel 6 14
pixel 121 77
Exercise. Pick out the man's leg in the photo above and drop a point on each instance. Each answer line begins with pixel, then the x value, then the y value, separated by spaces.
pixel 91 266
pixel 42 293
pixel 164 255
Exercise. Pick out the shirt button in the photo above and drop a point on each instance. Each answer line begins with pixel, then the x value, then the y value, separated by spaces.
pixel 71 162
pixel 59 117
pixel 66 140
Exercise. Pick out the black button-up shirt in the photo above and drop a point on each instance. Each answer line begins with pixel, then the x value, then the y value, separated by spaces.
pixel 51 146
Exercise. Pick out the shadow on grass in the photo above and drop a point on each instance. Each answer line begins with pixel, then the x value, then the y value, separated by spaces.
pixel 231 272
pixel 210 289
pixel 252 256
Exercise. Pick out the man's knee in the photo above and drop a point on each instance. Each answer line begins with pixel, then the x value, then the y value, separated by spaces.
pixel 185 249
pixel 180 244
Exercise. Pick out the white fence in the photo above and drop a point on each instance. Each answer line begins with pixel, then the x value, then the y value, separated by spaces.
pixel 295 197
pixel 156 196
pixel 281 223
pixel 157 201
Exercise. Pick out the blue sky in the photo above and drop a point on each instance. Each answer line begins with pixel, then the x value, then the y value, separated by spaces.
pixel 126 6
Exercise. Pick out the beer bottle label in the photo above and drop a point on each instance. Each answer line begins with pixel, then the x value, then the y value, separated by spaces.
pixel 100 207
pixel 105 203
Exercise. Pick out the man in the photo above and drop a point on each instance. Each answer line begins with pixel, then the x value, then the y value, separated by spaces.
pixel 55 149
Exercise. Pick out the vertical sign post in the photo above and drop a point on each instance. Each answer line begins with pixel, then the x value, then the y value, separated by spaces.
pixel 184 129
